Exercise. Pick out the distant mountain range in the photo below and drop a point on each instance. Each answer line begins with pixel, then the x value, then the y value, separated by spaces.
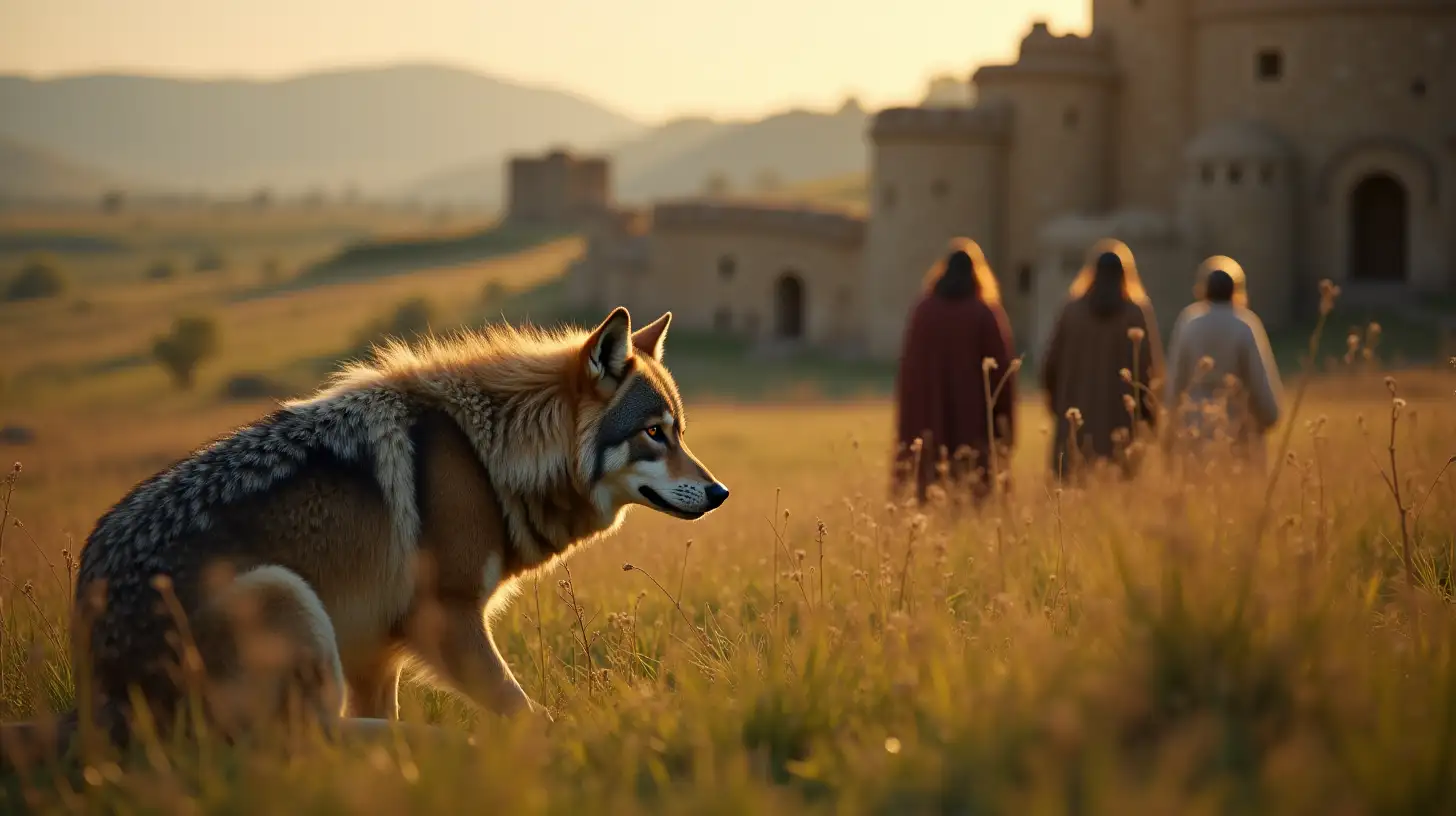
pixel 421 131
pixel 372 128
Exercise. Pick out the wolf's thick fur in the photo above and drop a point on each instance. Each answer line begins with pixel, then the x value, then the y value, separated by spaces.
pixel 381 520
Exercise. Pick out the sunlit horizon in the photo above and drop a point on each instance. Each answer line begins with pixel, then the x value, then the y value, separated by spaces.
pixel 647 59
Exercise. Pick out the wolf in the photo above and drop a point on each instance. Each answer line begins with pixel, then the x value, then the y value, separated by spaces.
pixel 291 568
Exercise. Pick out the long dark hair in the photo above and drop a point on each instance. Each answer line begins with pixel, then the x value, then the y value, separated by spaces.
pixel 1109 279
pixel 962 274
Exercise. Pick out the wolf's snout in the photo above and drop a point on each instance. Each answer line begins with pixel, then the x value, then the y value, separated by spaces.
pixel 717 494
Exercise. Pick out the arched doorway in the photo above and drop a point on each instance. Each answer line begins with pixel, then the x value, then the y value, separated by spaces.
pixel 1378 226
pixel 789 307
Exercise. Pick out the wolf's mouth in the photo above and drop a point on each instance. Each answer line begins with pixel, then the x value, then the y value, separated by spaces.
pixel 662 504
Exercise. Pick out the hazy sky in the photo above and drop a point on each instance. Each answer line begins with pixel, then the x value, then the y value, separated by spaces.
pixel 649 58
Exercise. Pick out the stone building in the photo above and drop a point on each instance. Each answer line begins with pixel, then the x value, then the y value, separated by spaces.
pixel 558 188
pixel 1305 138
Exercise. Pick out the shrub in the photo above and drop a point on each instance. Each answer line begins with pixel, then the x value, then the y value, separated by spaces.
pixel 210 260
pixel 409 319
pixel 271 269
pixel 161 270
pixel 253 386
pixel 492 293
pixel 40 277
pixel 192 340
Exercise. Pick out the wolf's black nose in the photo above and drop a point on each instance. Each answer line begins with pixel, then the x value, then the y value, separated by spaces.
pixel 717 494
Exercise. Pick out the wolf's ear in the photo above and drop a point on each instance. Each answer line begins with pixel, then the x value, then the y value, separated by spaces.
pixel 609 346
pixel 650 338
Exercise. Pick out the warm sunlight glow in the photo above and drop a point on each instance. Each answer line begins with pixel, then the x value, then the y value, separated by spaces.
pixel 648 58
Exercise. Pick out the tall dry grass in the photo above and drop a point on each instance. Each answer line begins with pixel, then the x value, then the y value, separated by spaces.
pixel 1208 636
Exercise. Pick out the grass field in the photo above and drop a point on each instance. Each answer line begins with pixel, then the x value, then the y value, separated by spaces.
pixel 1178 644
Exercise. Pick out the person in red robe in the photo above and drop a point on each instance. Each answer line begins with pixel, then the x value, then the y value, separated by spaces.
pixel 957 342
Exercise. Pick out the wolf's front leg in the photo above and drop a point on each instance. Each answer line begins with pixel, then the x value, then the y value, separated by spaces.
pixel 462 651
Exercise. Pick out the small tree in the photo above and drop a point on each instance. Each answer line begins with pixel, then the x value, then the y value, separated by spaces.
pixel 410 319
pixel 40 277
pixel 716 184
pixel 112 201
pixel 192 340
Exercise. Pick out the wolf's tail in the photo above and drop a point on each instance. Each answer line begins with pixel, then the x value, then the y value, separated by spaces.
pixel 29 743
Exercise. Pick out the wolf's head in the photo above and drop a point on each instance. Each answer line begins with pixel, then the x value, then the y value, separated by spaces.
pixel 636 446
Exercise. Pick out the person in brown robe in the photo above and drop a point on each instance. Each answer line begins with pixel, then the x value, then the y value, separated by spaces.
pixel 957 338
pixel 1103 366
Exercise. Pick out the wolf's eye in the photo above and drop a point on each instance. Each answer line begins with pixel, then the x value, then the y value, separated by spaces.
pixel 654 432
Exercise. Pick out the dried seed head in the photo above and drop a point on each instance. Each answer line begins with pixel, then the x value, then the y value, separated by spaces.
pixel 1328 292
pixel 1136 334
pixel 1205 364
pixel 1125 375
pixel 1128 403
pixel 988 364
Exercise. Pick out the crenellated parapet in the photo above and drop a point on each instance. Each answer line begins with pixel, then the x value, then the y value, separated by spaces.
pixel 796 221
pixel 1062 56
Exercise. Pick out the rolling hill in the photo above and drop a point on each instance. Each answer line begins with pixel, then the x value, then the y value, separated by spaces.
pixel 374 128
pixel 28 172
pixel 796 146
pixel 677 158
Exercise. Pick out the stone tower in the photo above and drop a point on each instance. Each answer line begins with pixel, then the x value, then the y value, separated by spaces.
pixel 1152 46
pixel 1240 187
pixel 1061 97
pixel 937 174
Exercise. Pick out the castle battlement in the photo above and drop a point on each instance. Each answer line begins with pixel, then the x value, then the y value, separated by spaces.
pixel 1040 41
pixel 1046 54
pixel 803 222
pixel 983 122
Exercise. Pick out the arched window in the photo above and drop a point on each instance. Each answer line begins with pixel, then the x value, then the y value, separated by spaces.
pixel 789 306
